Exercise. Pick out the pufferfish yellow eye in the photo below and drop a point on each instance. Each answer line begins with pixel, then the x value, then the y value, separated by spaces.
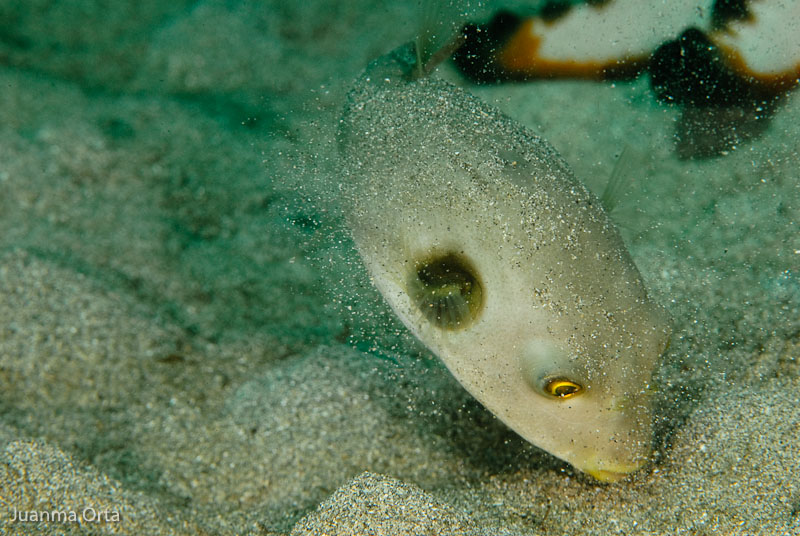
pixel 562 388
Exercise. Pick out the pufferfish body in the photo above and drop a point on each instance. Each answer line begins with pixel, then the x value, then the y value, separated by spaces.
pixel 502 264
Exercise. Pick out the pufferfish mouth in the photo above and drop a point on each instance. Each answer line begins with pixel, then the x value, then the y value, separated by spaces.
pixel 611 473
pixel 607 476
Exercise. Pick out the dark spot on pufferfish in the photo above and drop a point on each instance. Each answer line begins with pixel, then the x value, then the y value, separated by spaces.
pixel 447 290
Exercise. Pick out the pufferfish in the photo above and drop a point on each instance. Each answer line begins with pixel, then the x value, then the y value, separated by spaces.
pixel 504 265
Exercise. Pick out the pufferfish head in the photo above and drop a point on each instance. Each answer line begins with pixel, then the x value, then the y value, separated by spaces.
pixel 577 384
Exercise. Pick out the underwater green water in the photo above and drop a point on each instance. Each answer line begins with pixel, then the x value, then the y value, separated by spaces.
pixel 189 336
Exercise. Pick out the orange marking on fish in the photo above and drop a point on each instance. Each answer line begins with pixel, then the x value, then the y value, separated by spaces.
pixel 520 57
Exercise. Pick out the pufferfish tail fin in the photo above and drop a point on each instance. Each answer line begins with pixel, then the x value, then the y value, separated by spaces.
pixel 439 35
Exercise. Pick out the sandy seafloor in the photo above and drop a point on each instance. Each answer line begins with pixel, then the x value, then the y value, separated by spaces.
pixel 171 347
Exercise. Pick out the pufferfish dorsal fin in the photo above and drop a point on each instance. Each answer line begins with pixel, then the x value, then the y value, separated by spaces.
pixel 439 35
